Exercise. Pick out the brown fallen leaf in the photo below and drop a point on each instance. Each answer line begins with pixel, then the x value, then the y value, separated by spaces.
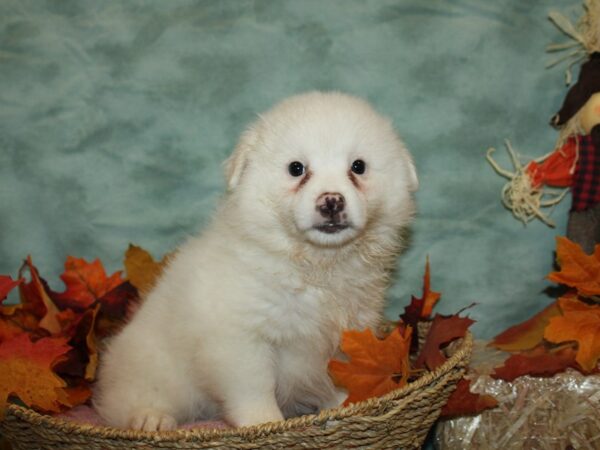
pixel 116 308
pixel 82 360
pixel 375 367
pixel 420 309
pixel 142 271
pixel 85 338
pixel 463 402
pixel 444 329
pixel 117 302
pixel 35 299
pixel 539 362
pixel 528 334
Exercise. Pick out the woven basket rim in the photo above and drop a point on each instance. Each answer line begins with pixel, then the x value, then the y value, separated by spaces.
pixel 28 415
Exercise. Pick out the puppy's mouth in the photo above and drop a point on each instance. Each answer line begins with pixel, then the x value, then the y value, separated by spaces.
pixel 331 227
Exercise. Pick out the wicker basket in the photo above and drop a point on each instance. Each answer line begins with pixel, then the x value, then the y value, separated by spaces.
pixel 400 419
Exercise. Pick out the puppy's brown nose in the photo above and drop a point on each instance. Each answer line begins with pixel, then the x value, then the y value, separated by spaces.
pixel 330 204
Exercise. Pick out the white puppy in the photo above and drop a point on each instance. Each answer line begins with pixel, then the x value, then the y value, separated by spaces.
pixel 246 317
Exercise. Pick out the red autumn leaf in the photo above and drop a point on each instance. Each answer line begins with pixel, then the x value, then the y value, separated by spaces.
pixel 376 366
pixel 463 402
pixel 117 302
pixel 528 334
pixel 84 339
pixel 35 299
pixel 82 360
pixel 444 329
pixel 26 372
pixel 32 365
pixel 67 319
pixel 117 307
pixel 539 362
pixel 421 308
pixel 85 283
pixel 577 269
pixel 8 329
pixel 579 322
pixel 7 284
pixel 15 319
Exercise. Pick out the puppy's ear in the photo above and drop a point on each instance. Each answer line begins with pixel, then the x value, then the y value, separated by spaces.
pixel 237 162
pixel 413 180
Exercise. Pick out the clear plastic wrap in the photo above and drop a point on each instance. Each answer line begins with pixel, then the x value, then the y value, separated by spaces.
pixel 557 413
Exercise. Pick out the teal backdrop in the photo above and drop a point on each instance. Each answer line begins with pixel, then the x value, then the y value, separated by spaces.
pixel 115 117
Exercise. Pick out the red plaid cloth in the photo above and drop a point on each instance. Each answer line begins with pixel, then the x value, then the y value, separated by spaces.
pixel 586 179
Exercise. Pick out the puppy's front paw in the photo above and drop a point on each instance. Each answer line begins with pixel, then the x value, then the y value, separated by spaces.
pixel 337 397
pixel 152 420
pixel 254 413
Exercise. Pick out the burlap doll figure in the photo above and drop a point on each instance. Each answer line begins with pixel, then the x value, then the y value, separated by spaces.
pixel 579 121
pixel 575 161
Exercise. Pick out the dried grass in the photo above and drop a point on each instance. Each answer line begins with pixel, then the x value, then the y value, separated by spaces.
pixel 533 413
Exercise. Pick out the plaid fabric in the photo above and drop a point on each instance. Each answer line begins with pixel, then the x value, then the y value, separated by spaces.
pixel 586 180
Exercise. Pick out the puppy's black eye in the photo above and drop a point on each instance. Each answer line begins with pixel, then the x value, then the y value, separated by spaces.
pixel 296 169
pixel 359 167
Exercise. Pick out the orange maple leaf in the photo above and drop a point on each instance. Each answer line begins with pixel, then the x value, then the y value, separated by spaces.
pixel 528 334
pixel 577 269
pixel 85 283
pixel 75 396
pixel 142 271
pixel 376 366
pixel 579 322
pixel 26 371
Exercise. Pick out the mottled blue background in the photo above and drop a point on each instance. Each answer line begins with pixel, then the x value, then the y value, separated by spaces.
pixel 115 117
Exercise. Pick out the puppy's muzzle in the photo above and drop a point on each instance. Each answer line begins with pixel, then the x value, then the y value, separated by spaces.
pixel 331 205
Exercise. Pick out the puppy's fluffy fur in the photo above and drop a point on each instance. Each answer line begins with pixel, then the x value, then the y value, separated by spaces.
pixel 246 317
